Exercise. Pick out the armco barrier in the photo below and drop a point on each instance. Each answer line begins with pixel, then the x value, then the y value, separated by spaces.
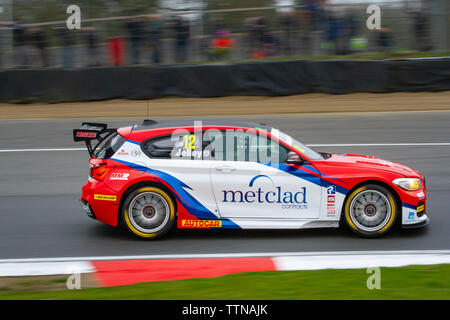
pixel 267 78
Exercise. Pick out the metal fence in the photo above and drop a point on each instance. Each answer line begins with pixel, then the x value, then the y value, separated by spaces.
pixel 33 34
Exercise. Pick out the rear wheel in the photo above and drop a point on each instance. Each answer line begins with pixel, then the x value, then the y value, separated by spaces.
pixel 370 210
pixel 148 212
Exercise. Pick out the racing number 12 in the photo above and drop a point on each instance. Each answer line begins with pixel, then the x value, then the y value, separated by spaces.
pixel 189 141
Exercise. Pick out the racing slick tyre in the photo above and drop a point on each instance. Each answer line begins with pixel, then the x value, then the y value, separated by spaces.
pixel 148 212
pixel 370 210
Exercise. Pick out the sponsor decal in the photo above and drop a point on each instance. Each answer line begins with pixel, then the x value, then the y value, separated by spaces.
pixel 201 223
pixel 287 199
pixel 122 152
pixel 331 190
pixel 421 195
pixel 81 134
pixel 331 199
pixel 420 208
pixel 119 176
pixel 135 153
pixel 106 197
pixel 411 215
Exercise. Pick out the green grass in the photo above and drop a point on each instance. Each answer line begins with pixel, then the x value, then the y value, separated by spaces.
pixel 413 282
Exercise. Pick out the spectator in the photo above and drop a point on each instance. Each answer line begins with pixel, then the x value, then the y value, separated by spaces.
pixel 39 39
pixel 67 41
pixel 156 27
pixel 384 39
pixel 182 35
pixel 3 27
pixel 334 32
pixel 288 25
pixel 136 36
pixel 91 39
pixel 20 45
pixel 260 29
pixel 257 32
pixel 420 26
pixel 316 13
pixel 271 44
pixel 221 45
pixel 250 41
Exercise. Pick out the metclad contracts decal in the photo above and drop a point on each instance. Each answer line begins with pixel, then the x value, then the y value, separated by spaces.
pixel 274 195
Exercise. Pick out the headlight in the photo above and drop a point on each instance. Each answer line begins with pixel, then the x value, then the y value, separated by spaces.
pixel 410 184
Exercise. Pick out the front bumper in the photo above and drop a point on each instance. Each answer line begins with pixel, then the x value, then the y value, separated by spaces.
pixel 420 224
pixel 414 209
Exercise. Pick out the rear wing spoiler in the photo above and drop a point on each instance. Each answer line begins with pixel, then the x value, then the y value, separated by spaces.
pixel 89 132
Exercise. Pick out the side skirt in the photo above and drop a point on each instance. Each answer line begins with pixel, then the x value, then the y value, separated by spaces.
pixel 246 223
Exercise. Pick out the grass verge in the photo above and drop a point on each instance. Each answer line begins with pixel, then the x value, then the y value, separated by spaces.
pixel 412 282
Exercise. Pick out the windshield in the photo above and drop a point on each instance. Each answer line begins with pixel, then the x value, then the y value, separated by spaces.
pixel 311 154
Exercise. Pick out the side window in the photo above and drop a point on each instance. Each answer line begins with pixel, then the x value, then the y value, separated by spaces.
pixel 268 150
pixel 244 146
pixel 217 145
pixel 159 147
pixel 187 146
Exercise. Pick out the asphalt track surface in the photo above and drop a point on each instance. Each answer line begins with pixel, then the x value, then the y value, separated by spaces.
pixel 40 215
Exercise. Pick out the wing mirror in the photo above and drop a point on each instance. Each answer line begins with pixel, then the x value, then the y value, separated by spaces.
pixel 294 158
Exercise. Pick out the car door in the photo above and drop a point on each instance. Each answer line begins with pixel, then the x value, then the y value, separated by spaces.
pixel 249 187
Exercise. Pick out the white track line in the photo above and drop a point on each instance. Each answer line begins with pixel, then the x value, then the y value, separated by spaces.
pixel 281 261
pixel 356 261
pixel 228 255
pixel 13 269
pixel 431 144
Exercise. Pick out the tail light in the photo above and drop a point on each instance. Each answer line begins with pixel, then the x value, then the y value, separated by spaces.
pixel 100 171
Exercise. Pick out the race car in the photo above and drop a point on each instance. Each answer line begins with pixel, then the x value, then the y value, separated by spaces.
pixel 215 174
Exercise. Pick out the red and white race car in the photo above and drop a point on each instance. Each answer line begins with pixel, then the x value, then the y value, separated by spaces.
pixel 227 174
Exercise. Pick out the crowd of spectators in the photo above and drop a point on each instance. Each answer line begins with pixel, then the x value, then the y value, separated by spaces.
pixel 143 38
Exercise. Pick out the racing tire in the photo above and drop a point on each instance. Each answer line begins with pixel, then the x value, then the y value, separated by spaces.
pixel 148 212
pixel 370 211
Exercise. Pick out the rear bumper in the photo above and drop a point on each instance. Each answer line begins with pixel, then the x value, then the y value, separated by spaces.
pixel 87 208
pixel 100 202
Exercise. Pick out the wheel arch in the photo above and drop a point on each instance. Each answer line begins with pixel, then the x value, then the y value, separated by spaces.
pixel 140 184
pixel 380 183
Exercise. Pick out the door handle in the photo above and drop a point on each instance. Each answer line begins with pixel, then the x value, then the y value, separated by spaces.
pixel 225 168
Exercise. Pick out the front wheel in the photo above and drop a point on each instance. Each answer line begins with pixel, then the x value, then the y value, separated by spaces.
pixel 148 212
pixel 370 210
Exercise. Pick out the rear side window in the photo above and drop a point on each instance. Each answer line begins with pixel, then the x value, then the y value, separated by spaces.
pixel 160 147
pixel 184 146
pixel 110 146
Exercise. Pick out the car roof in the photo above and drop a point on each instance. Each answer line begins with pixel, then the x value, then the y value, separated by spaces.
pixel 151 124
